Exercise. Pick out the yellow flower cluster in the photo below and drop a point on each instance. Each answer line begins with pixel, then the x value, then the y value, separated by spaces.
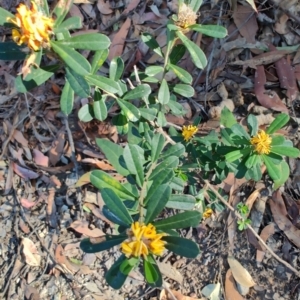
pixel 262 142
pixel 34 28
pixel 188 132
pixel 143 239
pixel 207 213
pixel 186 16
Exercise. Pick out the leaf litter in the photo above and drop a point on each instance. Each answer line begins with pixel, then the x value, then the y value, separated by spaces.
pixel 42 222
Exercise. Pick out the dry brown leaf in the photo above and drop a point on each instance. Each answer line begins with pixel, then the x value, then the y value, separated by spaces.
pixel 84 179
pixel 279 213
pixel 40 159
pixel 250 200
pixel 82 227
pixel 56 150
pixel 19 137
pixel 265 234
pixel 240 274
pixel 24 173
pixel 100 164
pixel 30 253
pixel 104 7
pixel 117 44
pixel 169 271
pixel 268 99
pixel 164 295
pixel 27 203
pixel 231 289
pixel 131 6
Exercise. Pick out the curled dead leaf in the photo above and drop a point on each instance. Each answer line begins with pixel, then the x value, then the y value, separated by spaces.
pixel 30 253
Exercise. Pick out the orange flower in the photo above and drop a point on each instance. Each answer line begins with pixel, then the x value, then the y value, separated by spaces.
pixel 34 29
pixel 188 132
pixel 143 239
pixel 262 142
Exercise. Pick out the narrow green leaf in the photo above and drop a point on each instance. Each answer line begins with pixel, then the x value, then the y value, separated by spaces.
pixel 161 119
pixel 99 58
pixel 184 90
pixel 227 118
pixel 131 112
pixel 181 220
pixel 197 55
pixel 151 43
pixel 175 150
pixel 286 151
pixel 278 123
pixel 157 145
pixel 177 54
pixel 182 74
pixel 195 5
pixel 102 180
pixel 4 15
pixel 234 155
pixel 85 113
pixel 277 140
pixel 252 124
pixel 111 216
pixel 157 202
pixel 150 272
pixel 140 91
pixel 99 107
pixel 67 99
pixel 153 70
pixel 163 93
pixel 271 167
pixel 60 10
pixel 128 264
pixel 240 131
pixel 103 83
pixel 215 31
pixel 134 159
pixel 88 41
pixel 253 160
pixel 78 83
pixel 109 242
pixel 69 24
pixel 182 202
pixel 115 204
pixel 284 174
pixel 116 68
pixel 181 246
pixel 148 113
pixel 114 277
pixel 11 51
pixel 72 58
pixel 170 162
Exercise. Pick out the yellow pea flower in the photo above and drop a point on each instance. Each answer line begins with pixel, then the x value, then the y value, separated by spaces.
pixel 188 132
pixel 261 142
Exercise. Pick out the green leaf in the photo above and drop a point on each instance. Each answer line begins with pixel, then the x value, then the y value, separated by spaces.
pixel 195 5
pixel 114 277
pixel 77 83
pixel 134 159
pixel 42 6
pixel 278 123
pixel 182 74
pixel 131 112
pixel 128 264
pixel 157 202
pixel 99 107
pixel 253 160
pixel 157 145
pixel 184 90
pixel 177 54
pixel 99 58
pixel 227 118
pixel 151 43
pixel 115 204
pixel 271 167
pixel 4 15
pixel 67 99
pixel 72 58
pixel 240 131
pixel 60 10
pixel 170 162
pixel 163 93
pixel 85 113
pixel 175 150
pixel 87 41
pixel 140 91
pixel 215 31
pixel 234 155
pixel 148 113
pixel 116 68
pixel 197 55
pixel 11 51
pixel 181 246
pixel 102 180
pixel 103 83
pixel 109 242
pixel 253 124
pixel 150 272
pixel 286 151
pixel 111 216
pixel 36 78
pixel 153 70
pixel 182 202
pixel 284 174
pixel 181 220
pixel 161 119
pixel 69 24
pixel 278 140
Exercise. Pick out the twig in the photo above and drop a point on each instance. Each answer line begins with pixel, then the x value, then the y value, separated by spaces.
pixel 169 291
pixel 251 229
